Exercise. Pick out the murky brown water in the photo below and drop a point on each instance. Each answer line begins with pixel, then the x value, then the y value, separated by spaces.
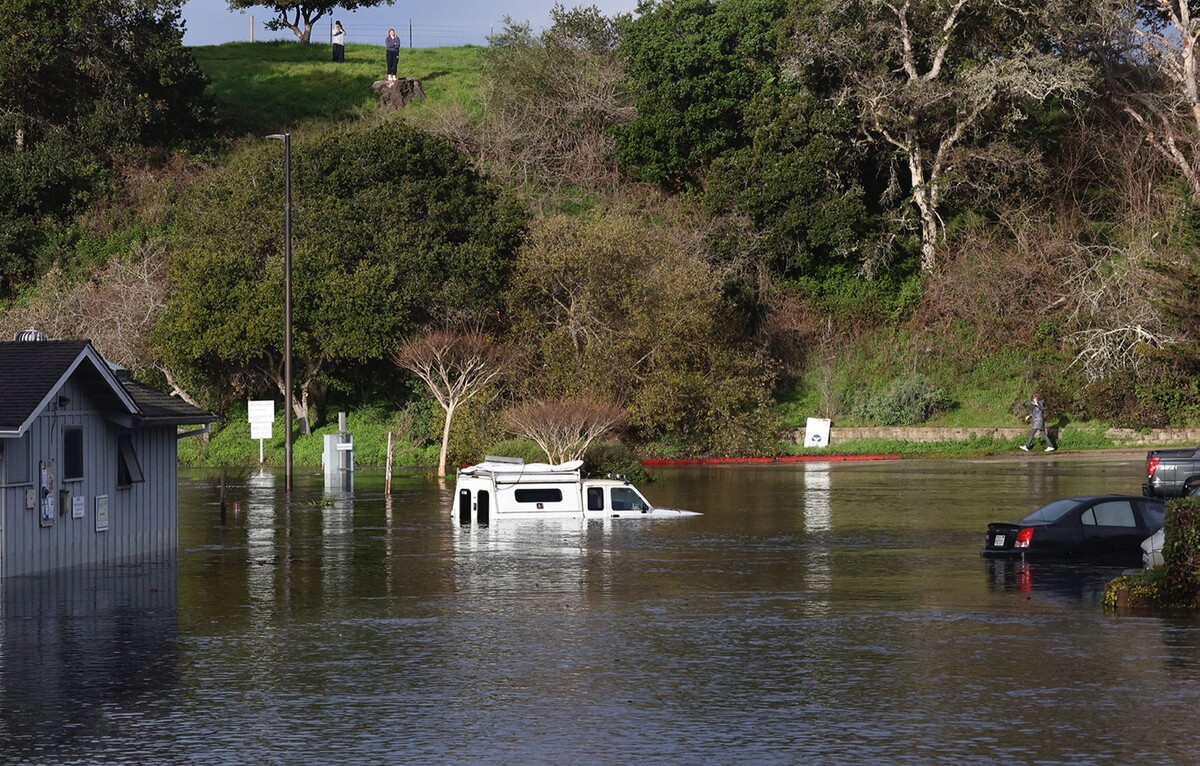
pixel 825 613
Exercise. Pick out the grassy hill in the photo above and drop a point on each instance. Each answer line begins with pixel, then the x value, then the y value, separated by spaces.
pixel 267 87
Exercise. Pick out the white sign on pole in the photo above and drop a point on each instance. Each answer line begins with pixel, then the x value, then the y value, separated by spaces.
pixel 260 430
pixel 261 414
pixel 261 410
pixel 816 432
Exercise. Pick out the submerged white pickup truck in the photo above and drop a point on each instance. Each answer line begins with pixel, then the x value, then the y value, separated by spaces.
pixel 505 487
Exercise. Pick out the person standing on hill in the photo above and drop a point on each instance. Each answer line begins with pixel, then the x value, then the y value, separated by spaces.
pixel 393 53
pixel 339 43
pixel 1037 422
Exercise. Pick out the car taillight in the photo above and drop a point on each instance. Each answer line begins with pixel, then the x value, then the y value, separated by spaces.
pixel 1023 538
pixel 1151 465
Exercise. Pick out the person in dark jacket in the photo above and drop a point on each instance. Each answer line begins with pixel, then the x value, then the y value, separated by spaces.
pixel 1037 422
pixel 393 53
pixel 339 42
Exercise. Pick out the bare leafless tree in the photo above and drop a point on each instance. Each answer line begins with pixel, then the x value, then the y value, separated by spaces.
pixel 564 428
pixel 455 366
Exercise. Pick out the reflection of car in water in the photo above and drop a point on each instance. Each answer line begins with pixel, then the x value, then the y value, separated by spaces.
pixel 1103 528
pixel 1060 581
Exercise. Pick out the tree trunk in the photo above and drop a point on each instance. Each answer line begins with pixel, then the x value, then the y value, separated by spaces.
pixel 445 441
pixel 925 196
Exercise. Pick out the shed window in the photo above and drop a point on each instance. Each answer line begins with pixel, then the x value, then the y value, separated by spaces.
pixel 15 460
pixel 540 495
pixel 72 454
pixel 129 469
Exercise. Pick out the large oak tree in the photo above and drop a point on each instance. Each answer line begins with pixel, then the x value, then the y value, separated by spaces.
pixel 944 83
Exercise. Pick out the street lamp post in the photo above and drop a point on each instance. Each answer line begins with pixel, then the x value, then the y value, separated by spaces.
pixel 286 138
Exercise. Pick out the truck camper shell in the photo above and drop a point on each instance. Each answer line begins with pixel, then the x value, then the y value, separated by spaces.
pixel 505 487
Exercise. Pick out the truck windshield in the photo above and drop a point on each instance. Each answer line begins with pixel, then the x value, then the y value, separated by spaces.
pixel 627 499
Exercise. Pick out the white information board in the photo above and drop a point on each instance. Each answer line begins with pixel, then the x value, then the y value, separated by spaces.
pixel 261 411
pixel 261 414
pixel 101 513
pixel 260 430
pixel 816 432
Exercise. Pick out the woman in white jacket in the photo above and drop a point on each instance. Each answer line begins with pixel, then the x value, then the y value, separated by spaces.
pixel 339 42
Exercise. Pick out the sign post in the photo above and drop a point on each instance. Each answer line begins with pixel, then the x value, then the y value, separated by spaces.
pixel 261 414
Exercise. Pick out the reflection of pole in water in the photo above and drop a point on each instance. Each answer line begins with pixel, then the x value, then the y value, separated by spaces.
pixel 260 545
pixel 818 516
pixel 337 527
pixel 389 535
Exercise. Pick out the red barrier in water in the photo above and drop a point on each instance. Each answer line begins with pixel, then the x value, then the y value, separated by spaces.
pixel 759 460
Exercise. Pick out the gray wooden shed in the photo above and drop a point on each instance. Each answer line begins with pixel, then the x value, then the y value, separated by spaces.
pixel 88 461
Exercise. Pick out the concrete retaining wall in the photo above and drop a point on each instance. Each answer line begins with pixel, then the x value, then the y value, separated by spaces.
pixel 1121 436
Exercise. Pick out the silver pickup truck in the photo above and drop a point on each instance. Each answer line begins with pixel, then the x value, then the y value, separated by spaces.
pixel 1172 472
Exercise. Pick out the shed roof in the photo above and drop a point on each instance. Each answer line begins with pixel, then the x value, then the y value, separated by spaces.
pixel 32 373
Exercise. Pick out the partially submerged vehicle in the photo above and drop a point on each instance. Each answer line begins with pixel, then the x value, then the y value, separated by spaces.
pixel 1103 527
pixel 506 487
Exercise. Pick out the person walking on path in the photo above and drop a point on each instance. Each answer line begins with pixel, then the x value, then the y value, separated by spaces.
pixel 339 43
pixel 1037 422
pixel 393 53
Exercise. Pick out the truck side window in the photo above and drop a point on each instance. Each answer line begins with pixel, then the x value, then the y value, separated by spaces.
pixel 595 499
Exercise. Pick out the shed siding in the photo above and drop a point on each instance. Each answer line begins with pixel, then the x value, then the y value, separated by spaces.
pixel 142 518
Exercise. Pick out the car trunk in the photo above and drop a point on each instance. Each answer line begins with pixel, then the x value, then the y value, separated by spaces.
pixel 1000 537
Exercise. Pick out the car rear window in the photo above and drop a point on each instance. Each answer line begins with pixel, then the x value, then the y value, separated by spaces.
pixel 1050 513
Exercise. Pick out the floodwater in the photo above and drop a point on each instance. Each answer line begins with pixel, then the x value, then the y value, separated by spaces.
pixel 820 613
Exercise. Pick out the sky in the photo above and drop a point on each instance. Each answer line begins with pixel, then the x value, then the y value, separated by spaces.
pixel 446 22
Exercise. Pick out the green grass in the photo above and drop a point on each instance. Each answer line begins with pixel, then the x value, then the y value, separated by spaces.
pixel 263 88
pixel 230 444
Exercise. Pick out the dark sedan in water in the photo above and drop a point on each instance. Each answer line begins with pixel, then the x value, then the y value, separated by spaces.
pixel 1108 527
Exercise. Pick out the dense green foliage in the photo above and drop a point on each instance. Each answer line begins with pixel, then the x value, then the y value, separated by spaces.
pixel 391 230
pixel 692 67
pixel 799 183
pixel 84 88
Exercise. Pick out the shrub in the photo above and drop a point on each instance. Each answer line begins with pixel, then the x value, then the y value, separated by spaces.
pixel 907 401
pixel 1177 582
pixel 1181 552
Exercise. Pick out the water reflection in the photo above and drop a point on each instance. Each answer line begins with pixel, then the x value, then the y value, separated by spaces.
pixel 818 518
pixel 818 613
pixel 1050 580
pixel 85 655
